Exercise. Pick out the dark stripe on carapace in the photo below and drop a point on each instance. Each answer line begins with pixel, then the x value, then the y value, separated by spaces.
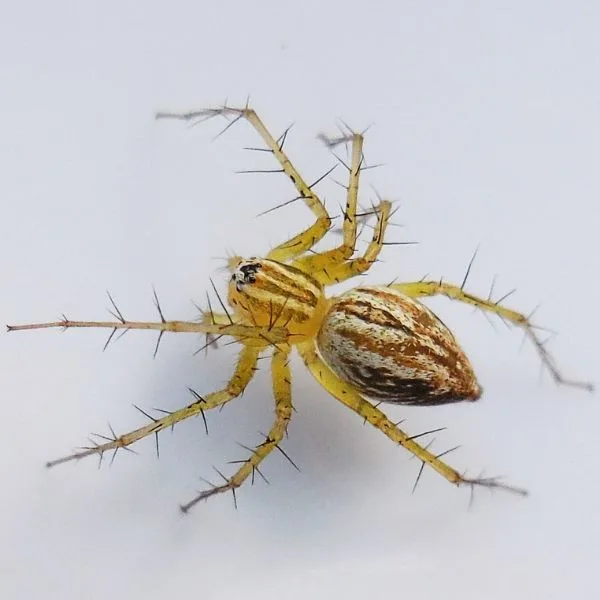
pixel 297 281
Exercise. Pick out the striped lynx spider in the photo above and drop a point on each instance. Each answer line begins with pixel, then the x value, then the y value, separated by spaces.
pixel 374 343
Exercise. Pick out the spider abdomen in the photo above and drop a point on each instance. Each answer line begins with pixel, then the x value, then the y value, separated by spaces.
pixel 393 348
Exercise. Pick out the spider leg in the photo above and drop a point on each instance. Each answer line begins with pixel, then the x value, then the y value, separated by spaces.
pixel 323 260
pixel 283 413
pixel 306 239
pixel 248 334
pixel 337 272
pixel 348 396
pixel 209 316
pixel 243 373
pixel 454 292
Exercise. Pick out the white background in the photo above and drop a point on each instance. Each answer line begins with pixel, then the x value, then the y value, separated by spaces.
pixel 485 117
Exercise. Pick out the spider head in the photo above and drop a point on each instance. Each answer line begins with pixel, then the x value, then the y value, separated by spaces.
pixel 268 293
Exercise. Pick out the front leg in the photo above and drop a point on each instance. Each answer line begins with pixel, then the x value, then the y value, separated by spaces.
pixel 247 334
pixel 306 239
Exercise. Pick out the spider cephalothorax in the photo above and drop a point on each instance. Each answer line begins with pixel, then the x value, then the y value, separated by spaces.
pixel 269 293
pixel 375 342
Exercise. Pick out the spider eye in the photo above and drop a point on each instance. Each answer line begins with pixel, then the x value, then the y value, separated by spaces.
pixel 245 274
pixel 248 272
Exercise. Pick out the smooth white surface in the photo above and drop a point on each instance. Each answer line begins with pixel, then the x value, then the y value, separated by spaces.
pixel 486 119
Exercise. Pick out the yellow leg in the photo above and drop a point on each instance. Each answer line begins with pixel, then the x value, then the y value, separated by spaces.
pixel 346 394
pixel 324 260
pixel 248 334
pixel 454 292
pixel 213 318
pixel 335 273
pixel 280 372
pixel 308 238
pixel 244 371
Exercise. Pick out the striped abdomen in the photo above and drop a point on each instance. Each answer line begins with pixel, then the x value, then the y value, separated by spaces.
pixel 393 348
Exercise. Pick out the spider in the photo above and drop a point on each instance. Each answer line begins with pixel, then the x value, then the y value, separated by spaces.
pixel 373 343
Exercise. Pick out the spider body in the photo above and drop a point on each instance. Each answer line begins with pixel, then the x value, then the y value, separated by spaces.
pixel 272 294
pixel 389 346
pixel 394 349
pixel 376 342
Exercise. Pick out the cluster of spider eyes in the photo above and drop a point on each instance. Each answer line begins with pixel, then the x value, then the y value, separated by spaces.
pixel 245 273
